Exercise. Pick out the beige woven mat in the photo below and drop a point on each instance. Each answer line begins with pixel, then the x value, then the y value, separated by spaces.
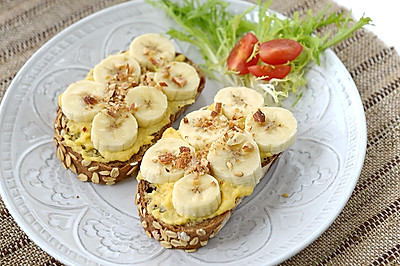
pixel 368 229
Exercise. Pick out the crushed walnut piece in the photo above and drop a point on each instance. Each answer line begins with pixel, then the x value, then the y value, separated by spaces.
pixel 166 158
pixel 210 123
pixel 180 161
pixel 201 166
pixel 123 79
pixel 162 84
pixel 112 112
pixel 133 107
pixel 165 72
pixel 89 100
pixel 218 107
pixel 184 158
pixel 248 147
pixel 179 80
pixel 259 116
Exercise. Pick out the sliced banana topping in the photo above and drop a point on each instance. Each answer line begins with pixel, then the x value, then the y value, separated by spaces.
pixel 178 80
pixel 196 195
pixel 148 104
pixel 235 158
pixel 82 100
pixel 226 159
pixel 113 131
pixel 238 102
pixel 200 128
pixel 119 68
pixel 167 160
pixel 152 50
pixel 273 128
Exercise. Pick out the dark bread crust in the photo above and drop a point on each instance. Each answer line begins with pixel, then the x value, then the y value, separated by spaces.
pixel 98 172
pixel 115 171
pixel 188 237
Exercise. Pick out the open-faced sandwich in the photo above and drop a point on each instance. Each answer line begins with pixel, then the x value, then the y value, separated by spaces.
pixel 107 121
pixel 192 179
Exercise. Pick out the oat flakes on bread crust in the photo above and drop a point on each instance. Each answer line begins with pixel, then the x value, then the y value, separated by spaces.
pixel 111 172
pixel 188 237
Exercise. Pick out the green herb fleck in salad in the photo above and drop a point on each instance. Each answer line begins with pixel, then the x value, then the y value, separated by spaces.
pixel 240 51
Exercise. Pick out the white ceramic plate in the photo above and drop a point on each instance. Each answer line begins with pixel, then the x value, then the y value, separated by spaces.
pixel 82 223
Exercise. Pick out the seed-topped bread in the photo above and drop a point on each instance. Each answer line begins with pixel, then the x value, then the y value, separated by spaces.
pixel 106 122
pixel 188 236
pixel 193 178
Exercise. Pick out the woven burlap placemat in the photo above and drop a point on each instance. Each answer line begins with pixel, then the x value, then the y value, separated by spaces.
pixel 367 231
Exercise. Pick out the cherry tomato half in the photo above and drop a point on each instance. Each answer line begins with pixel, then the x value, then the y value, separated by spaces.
pixel 279 51
pixel 237 59
pixel 270 72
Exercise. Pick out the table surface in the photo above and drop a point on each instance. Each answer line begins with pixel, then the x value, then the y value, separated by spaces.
pixel 367 231
pixel 383 17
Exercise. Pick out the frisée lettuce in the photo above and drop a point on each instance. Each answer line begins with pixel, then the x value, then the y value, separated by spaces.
pixel 215 31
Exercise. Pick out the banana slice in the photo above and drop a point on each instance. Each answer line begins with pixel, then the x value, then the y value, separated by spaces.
pixel 117 68
pixel 152 49
pixel 113 131
pixel 235 158
pixel 201 127
pixel 273 128
pixel 82 100
pixel 148 104
pixel 196 195
pixel 178 80
pixel 238 102
pixel 167 160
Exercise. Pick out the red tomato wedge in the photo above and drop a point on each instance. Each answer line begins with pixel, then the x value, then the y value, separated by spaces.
pixel 279 51
pixel 270 72
pixel 237 59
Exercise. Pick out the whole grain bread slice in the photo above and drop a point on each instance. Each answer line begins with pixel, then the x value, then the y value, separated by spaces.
pixel 190 236
pixel 114 171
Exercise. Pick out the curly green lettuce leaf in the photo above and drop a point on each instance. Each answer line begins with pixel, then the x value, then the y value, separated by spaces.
pixel 214 30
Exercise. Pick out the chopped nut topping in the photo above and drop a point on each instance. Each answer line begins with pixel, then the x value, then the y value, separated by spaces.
pixel 183 149
pixel 205 123
pixel 218 107
pixel 259 116
pixel 181 161
pixel 166 158
pixel 201 166
pixel 165 72
pixel 180 81
pixel 184 157
pixel 162 84
pixel 248 147
pixel 89 100
pixel 133 107
pixel 185 120
pixel 204 162
pixel 152 60
pixel 112 112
